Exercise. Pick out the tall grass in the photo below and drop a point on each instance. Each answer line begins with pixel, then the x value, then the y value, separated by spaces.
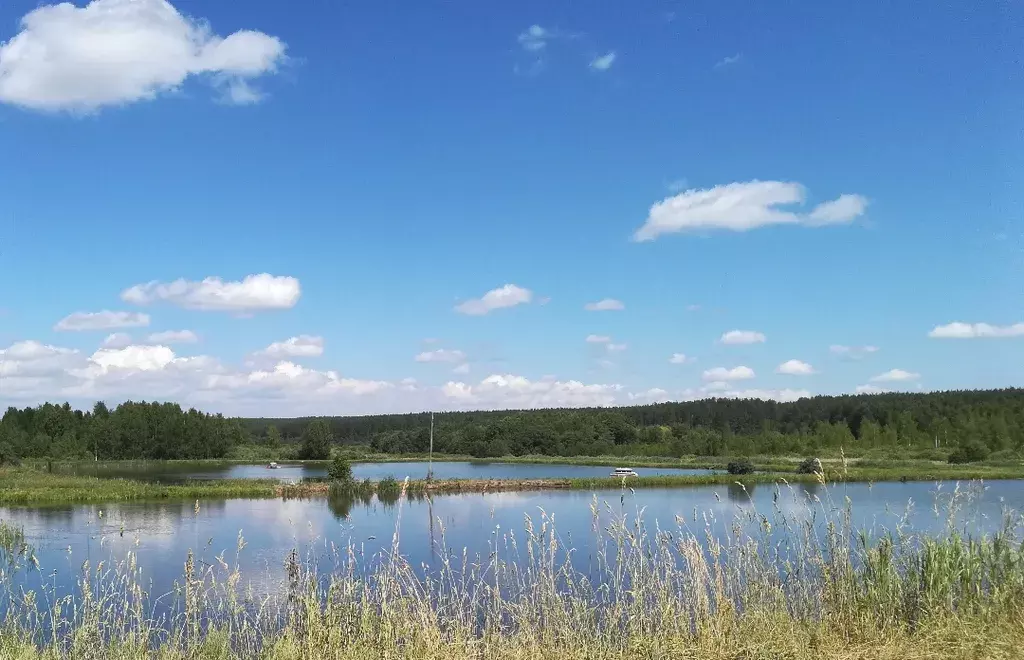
pixel 776 585
pixel 22 486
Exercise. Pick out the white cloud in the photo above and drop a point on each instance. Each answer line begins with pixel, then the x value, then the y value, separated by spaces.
pixel 113 52
pixel 960 330
pixel 721 373
pixel 509 295
pixel 736 337
pixel 795 368
pixel 842 209
pixel 616 348
pixel 173 337
pixel 852 352
pixel 604 62
pixel 679 358
pixel 105 320
pixel 535 38
pixel 721 390
pixel 293 347
pixel 726 61
pixel 653 395
pixel 139 358
pixel 254 293
pixel 117 340
pixel 598 339
pixel 895 375
pixel 442 355
pixel 502 391
pixel 871 389
pixel 461 369
pixel 33 358
pixel 742 207
pixel 605 305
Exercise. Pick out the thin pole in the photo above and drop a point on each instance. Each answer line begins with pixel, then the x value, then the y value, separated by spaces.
pixel 430 458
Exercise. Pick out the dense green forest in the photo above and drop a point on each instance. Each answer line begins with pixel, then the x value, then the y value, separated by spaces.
pixel 976 423
pixel 985 421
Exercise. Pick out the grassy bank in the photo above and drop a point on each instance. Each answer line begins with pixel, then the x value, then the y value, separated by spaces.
pixel 22 486
pixel 647 593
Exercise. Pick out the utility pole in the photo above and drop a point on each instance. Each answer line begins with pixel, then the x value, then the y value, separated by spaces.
pixel 430 457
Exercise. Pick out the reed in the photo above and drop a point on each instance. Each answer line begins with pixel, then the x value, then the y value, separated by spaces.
pixel 774 585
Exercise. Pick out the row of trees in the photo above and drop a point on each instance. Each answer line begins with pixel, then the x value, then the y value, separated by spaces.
pixel 130 431
pixel 981 421
pixel 991 421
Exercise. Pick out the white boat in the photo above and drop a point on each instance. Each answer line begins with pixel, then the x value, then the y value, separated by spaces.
pixel 624 472
pixel 273 466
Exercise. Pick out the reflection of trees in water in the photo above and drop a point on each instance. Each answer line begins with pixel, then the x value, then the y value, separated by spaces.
pixel 342 503
pixel 741 493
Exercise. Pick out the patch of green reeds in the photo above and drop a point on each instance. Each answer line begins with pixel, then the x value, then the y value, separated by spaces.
pixel 22 486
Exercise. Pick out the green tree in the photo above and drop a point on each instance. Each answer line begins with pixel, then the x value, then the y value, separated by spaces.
pixel 340 470
pixel 273 437
pixel 316 441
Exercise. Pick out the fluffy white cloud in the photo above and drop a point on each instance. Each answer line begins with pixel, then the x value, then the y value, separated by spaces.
pixel 653 395
pixel 509 295
pixel 293 347
pixel 442 355
pixel 254 293
pixel 726 61
pixel 105 320
pixel 604 62
pixel 598 339
pixel 871 389
pixel 535 38
pixel 113 52
pixel 852 352
pixel 795 368
pixel 117 340
pixel 679 358
pixel 723 374
pixel 736 337
pixel 138 358
pixel 616 348
pixel 959 330
pixel 895 375
pixel 173 337
pixel 723 390
pixel 33 358
pixel 502 391
pixel 605 305
pixel 742 207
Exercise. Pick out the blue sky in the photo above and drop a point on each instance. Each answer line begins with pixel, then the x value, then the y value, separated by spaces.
pixel 811 175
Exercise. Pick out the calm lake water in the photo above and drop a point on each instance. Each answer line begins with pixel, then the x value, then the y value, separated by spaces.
pixel 161 534
pixel 293 472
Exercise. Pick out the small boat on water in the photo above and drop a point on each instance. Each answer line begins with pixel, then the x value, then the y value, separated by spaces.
pixel 624 472
pixel 273 466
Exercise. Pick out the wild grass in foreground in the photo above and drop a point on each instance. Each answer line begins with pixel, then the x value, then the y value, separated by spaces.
pixel 775 585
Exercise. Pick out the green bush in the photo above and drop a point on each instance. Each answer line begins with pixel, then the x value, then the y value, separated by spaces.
pixel 740 466
pixel 340 469
pixel 969 451
pixel 7 455
pixel 809 466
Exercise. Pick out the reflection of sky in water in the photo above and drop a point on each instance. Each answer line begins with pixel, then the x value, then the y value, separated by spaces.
pixel 162 533
pixel 399 470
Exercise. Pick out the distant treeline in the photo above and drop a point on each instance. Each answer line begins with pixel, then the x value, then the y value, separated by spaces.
pixel 979 422
pixel 988 420
pixel 130 431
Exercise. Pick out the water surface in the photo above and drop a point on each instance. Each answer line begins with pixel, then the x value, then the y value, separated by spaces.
pixel 166 472
pixel 161 534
